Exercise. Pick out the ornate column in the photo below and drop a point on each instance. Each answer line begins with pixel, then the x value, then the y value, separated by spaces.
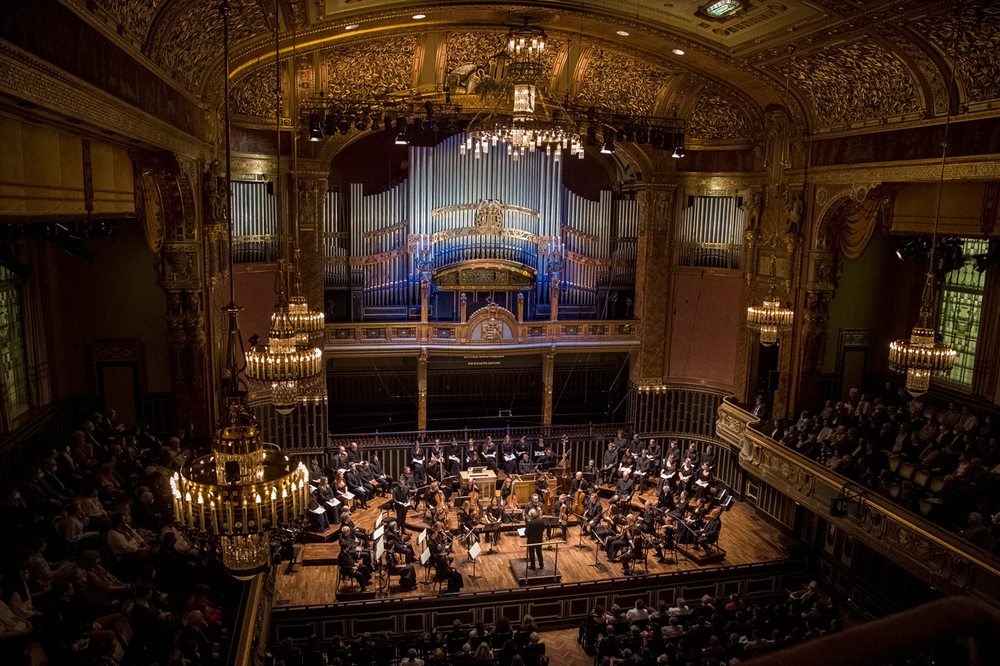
pixel 167 203
pixel 555 282
pixel 422 390
pixel 548 370
pixel 653 282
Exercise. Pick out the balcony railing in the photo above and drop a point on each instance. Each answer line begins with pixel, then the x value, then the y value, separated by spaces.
pixel 609 333
pixel 941 558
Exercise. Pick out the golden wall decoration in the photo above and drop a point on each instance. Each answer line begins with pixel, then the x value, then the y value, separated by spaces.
pixel 716 117
pixel 971 36
pixel 373 68
pixel 490 275
pixel 857 81
pixel 134 16
pixel 622 84
pixel 253 94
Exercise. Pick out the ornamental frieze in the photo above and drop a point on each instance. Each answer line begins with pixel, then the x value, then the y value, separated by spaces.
pixel 716 117
pixel 619 83
pixel 971 37
pixel 363 69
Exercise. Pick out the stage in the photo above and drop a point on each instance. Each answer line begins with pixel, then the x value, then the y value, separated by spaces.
pixel 311 579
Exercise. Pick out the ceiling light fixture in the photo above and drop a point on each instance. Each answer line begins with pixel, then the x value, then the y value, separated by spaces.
pixel 677 51
pixel 623 33
pixel 417 17
pixel 770 318
pixel 351 27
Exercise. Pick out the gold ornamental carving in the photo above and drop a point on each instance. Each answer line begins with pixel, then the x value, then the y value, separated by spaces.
pixel 971 35
pixel 479 207
pixel 492 275
pixel 253 94
pixel 617 82
pixel 716 117
pixel 373 68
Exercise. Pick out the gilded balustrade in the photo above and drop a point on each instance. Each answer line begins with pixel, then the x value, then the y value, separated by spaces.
pixel 940 557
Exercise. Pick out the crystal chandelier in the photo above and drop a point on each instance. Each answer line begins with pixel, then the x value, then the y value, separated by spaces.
pixel 233 499
pixel 305 322
pixel 770 318
pixel 523 126
pixel 921 356
pixel 283 363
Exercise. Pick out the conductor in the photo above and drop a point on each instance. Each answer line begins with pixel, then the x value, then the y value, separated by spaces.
pixel 401 498
pixel 535 533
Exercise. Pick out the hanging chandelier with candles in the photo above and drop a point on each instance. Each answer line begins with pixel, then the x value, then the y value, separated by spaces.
pixel 305 322
pixel 235 499
pixel 283 363
pixel 921 356
pixel 770 318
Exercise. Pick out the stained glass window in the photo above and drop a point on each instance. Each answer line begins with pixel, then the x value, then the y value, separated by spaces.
pixel 961 302
pixel 12 351
pixel 723 8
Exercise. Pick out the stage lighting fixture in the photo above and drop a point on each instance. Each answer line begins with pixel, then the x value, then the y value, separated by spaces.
pixel 362 124
pixel 8 254
pixel 609 141
pixel 387 123
pixel 344 127
pixel 402 132
pixel 315 129
pixel 953 256
pixel 985 261
pixel 906 249
pixel 679 151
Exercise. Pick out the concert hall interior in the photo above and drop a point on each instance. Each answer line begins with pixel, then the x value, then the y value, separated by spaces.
pixel 540 332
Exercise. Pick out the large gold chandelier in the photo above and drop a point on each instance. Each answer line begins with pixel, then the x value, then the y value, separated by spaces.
pixel 235 498
pixel 305 322
pixel 524 126
pixel 770 318
pixel 921 356
pixel 283 363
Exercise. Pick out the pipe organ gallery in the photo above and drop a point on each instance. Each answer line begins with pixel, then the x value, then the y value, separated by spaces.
pixel 285 226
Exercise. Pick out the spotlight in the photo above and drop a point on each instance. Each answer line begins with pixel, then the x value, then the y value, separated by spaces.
pixel 906 249
pixel 362 124
pixel 679 151
pixel 315 128
pixel 985 261
pixel 609 141
pixel 641 135
pixel 344 127
pixel 402 130
pixel 656 139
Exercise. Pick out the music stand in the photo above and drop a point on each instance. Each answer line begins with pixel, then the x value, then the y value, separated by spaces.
pixel 491 530
pixel 473 554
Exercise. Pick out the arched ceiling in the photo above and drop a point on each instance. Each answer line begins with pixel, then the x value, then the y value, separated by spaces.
pixel 845 64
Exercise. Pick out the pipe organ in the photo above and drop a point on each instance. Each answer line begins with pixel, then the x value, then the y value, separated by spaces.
pixel 711 232
pixel 477 223
pixel 255 223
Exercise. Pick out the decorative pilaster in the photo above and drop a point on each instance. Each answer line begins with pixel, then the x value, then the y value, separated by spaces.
pixel 422 389
pixel 653 282
pixel 548 371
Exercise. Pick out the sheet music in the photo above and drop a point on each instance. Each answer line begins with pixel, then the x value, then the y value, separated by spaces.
pixel 318 510
pixel 510 457
pixel 333 503
pixel 348 496
pixel 422 536
pixel 520 531
pixel 377 534
pixel 475 550
pixel 425 556
pixel 379 549
pixel 378 521
pixel 312 488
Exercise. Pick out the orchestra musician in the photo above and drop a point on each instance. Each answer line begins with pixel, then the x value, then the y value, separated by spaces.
pixel 549 459
pixel 396 541
pixel 472 456
pixel 609 463
pixel 691 523
pixel 650 516
pixel 621 539
pixel 407 575
pixel 593 514
pixel 468 520
pixel 441 559
pixel 710 532
pixel 417 464
pixel 534 504
pixel 494 514
pixel 681 503
pixel 591 471
pixel 561 509
pixel 401 501
pixel 349 543
pixel 512 510
pixel 665 541
pixel 525 466
pixel 534 531
pixel 624 489
pixel 435 460
pixel 633 551
pixel 350 566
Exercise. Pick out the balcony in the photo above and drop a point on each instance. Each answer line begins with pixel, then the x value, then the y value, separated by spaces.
pixel 944 560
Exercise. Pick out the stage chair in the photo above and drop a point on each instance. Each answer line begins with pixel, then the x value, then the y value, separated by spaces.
pixel 340 578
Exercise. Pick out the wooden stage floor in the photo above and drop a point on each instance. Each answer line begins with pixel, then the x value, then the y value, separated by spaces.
pixel 745 538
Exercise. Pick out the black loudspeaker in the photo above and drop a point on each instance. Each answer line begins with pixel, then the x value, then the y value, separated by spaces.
pixel 232 472
pixel 838 507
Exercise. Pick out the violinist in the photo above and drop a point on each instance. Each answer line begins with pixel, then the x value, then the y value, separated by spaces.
pixel 396 542
pixel 534 504
pixel 620 540
pixel 560 511
pixel 665 541
pixel 609 525
pixel 417 464
pixel 650 517
pixel 681 503
pixel 512 510
pixel 468 520
pixel 493 515
pixel 633 551
pixel 592 515
pixel 406 573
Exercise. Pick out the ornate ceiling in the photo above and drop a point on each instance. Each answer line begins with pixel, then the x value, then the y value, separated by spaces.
pixel 847 64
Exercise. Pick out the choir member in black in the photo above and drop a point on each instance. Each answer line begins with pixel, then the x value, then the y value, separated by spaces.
pixel 401 501
pixel 508 455
pixel 535 534
pixel 349 544
pixel 534 505
pixel 356 485
pixel 703 482
pixel 673 453
pixel 709 456
pixel 681 504
pixel 665 495
pixel 580 483
pixel 318 519
pixel 350 566
pixel 655 452
pixel 549 460
pixel 710 533
pixel 624 489
pixel 644 470
pixel 592 515
pixel 418 464
pixel 325 497
pixel 368 478
pixel 635 445
pixel 409 479
pixel 353 455
pixel 693 455
pixel 685 474
pixel 521 447
pixel 435 459
pixel 620 443
pixel 453 457
pixel 525 466
pixel 472 456
pixel 341 462
pixel 379 472
pixel 490 454
pixel 407 576
pixel 538 452
pixel 609 464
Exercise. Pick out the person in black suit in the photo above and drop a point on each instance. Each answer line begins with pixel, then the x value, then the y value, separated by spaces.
pixel 401 499
pixel 710 533
pixel 356 570
pixel 624 489
pixel 535 533
pixel 609 463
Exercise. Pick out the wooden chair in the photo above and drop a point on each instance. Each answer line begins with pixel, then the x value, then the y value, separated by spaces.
pixel 926 507
pixel 936 484
pixel 894 491
pixel 907 470
pixel 894 463
pixel 921 477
